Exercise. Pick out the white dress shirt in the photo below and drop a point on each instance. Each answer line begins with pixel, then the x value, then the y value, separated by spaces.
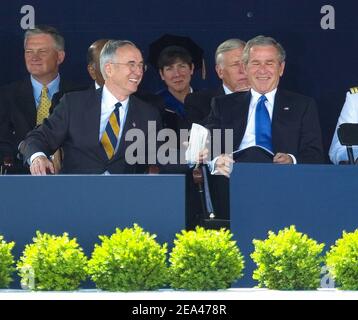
pixel 249 138
pixel 349 114
pixel 227 90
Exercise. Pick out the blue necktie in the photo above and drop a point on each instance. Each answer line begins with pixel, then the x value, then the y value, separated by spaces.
pixel 110 136
pixel 263 125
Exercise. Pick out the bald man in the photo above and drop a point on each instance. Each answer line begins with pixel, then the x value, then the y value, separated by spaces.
pixel 93 67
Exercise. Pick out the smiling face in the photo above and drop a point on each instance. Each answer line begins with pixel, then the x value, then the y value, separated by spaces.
pixel 125 72
pixel 264 68
pixel 177 76
pixel 42 58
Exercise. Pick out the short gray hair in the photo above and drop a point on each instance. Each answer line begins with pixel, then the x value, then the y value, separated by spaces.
pixel 263 41
pixel 51 31
pixel 227 45
pixel 108 52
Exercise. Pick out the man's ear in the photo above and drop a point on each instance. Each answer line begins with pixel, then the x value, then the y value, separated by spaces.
pixel 219 71
pixel 282 68
pixel 91 71
pixel 107 70
pixel 60 56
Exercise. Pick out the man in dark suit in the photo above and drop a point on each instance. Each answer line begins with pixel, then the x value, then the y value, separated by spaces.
pixel 94 70
pixel 284 122
pixel 229 68
pixel 19 101
pixel 93 127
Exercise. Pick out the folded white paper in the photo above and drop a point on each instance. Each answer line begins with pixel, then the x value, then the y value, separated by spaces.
pixel 197 142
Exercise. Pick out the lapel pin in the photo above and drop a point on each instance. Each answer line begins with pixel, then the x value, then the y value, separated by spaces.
pixel 286 108
pixel 133 124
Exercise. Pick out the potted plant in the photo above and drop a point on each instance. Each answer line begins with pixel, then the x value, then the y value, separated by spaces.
pixel 128 260
pixel 288 260
pixel 6 262
pixel 205 260
pixel 342 261
pixel 52 263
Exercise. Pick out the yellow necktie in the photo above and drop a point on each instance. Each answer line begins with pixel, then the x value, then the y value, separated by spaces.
pixel 110 135
pixel 43 109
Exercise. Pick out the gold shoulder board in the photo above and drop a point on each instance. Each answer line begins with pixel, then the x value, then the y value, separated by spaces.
pixel 353 90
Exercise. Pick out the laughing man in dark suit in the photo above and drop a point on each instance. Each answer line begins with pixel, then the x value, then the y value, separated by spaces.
pixel 80 121
pixel 293 134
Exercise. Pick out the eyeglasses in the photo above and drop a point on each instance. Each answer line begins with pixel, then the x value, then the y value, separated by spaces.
pixel 133 66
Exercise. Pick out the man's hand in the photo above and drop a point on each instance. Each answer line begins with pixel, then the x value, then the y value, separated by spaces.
pixel 203 156
pixel 282 158
pixel 41 166
pixel 223 165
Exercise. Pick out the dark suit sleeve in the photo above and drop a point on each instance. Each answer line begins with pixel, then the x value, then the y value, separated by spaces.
pixel 197 106
pixel 7 144
pixel 50 135
pixel 214 118
pixel 310 147
pixel 214 121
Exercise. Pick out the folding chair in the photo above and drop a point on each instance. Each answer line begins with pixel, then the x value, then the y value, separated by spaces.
pixel 348 136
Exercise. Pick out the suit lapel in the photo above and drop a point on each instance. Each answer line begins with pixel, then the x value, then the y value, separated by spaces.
pixel 240 114
pixel 219 91
pixel 92 115
pixel 25 102
pixel 282 111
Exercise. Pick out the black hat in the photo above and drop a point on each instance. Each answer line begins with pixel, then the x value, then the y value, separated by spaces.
pixel 157 46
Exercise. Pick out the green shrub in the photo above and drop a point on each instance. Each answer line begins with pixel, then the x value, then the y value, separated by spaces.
pixel 205 260
pixel 129 260
pixel 342 261
pixel 6 262
pixel 52 263
pixel 287 261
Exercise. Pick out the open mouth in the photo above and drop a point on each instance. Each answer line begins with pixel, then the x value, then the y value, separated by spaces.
pixel 135 81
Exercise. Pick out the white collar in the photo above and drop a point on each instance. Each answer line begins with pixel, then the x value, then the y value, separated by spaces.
pixel 270 96
pixel 109 100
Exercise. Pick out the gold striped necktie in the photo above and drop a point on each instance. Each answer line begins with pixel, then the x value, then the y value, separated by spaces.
pixel 43 109
pixel 110 136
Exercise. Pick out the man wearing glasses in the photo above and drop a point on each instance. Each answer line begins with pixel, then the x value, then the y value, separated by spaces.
pixel 91 126
pixel 25 104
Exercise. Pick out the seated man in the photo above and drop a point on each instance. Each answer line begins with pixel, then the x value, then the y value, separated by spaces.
pixel 229 68
pixel 92 125
pixel 26 103
pixel 94 71
pixel 349 114
pixel 283 122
